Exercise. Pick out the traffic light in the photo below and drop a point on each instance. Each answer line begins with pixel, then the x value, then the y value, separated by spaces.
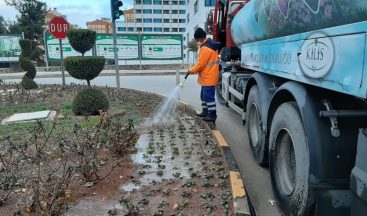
pixel 115 9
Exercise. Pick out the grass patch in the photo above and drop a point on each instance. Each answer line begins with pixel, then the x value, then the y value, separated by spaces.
pixel 6 111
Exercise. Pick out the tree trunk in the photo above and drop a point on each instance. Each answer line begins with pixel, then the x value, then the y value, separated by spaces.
pixel 88 82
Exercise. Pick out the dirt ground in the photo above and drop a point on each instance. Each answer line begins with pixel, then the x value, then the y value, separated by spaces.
pixel 176 169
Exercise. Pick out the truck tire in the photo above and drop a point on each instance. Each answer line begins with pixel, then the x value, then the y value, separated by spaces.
pixel 257 137
pixel 289 162
pixel 218 91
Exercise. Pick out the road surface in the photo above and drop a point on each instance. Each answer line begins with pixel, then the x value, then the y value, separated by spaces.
pixel 257 179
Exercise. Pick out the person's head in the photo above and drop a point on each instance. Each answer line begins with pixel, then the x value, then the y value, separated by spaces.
pixel 200 35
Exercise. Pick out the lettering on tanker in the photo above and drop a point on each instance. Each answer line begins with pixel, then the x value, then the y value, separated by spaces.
pixel 272 58
pixel 316 56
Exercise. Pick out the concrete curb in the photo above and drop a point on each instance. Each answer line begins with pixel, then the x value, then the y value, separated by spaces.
pixel 241 202
pixel 56 75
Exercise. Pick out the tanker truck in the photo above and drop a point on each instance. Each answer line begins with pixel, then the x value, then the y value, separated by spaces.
pixel 295 70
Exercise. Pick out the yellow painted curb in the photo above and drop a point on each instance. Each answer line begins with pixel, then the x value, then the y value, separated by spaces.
pixel 221 141
pixel 238 190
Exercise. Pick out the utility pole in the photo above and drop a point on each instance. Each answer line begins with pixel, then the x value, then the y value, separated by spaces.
pixel 116 13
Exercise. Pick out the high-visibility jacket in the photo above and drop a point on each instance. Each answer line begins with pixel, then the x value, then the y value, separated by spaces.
pixel 207 65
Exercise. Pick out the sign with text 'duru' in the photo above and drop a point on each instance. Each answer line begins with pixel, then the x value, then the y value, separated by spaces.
pixel 58 27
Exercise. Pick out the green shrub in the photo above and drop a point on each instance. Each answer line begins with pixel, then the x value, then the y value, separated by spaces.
pixel 89 102
pixel 84 67
pixel 81 40
pixel 28 83
pixel 27 65
pixel 26 46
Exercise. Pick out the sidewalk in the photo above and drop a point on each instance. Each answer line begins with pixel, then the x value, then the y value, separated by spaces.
pixel 56 74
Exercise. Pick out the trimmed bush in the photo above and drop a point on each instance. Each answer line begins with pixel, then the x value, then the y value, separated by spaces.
pixel 28 83
pixel 89 102
pixel 84 67
pixel 81 40
pixel 27 65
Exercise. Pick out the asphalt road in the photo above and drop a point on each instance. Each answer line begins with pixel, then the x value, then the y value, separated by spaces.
pixel 256 178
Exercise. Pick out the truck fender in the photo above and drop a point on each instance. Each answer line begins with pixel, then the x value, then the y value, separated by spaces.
pixel 331 159
pixel 266 86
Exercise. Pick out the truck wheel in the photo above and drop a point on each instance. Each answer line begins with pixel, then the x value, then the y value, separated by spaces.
pixel 289 161
pixel 254 121
pixel 219 94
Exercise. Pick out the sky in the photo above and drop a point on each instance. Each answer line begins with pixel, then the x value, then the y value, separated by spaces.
pixel 77 11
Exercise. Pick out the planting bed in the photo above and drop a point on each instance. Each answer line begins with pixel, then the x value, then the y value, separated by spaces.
pixel 173 168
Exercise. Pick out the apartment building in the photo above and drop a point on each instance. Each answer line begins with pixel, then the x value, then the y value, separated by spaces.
pixel 155 16
pixel 100 25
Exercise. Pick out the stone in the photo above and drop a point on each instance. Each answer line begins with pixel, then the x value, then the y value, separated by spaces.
pixel 29 117
pixel 175 206
pixel 89 184
pixel 61 117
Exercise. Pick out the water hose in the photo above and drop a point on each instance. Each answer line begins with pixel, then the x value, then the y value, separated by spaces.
pixel 183 81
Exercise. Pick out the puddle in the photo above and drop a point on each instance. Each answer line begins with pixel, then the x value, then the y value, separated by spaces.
pixel 92 206
pixel 130 187
pixel 165 153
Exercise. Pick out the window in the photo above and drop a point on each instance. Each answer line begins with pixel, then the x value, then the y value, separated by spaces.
pixel 166 20
pixel 156 11
pixel 130 29
pixel 166 2
pixel 157 20
pixel 157 29
pixel 183 30
pixel 196 7
pixel 121 29
pixel 174 30
pixel 138 11
pixel 174 20
pixel 139 29
pixel 157 2
pixel 174 2
pixel 209 2
pixel 148 29
pixel 182 12
pixel 166 30
pixel 182 2
pixel 147 2
pixel 166 11
pixel 138 20
pixel 147 20
pixel 182 21
pixel 147 11
pixel 174 12
pixel 137 1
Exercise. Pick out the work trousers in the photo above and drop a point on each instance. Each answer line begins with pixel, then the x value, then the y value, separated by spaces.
pixel 208 101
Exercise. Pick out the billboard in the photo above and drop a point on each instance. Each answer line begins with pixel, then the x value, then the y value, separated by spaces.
pixel 9 48
pixel 53 48
pixel 127 46
pixel 161 47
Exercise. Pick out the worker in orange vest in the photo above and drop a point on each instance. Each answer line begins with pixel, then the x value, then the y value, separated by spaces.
pixel 207 67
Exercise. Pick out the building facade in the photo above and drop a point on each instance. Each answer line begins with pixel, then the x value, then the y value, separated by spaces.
pixel 196 15
pixel 100 26
pixel 155 16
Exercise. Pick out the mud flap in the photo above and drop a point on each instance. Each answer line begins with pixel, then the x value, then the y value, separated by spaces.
pixel 358 183
pixel 333 202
